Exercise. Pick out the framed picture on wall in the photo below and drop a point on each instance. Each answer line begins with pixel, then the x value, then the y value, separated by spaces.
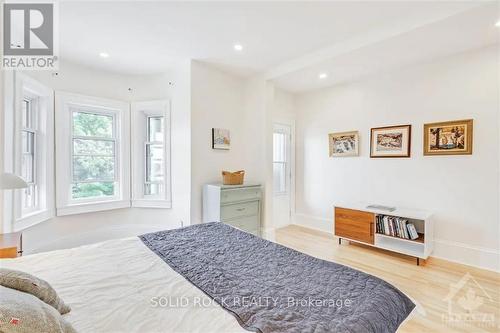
pixel 344 144
pixel 390 141
pixel 220 139
pixel 448 138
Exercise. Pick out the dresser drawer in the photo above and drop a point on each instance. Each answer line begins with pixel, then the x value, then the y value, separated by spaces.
pixel 249 224
pixel 240 194
pixel 354 224
pixel 354 215
pixel 231 211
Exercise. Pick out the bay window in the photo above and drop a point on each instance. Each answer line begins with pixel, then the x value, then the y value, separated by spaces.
pixel 100 162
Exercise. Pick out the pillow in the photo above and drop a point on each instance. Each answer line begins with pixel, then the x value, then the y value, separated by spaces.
pixel 24 313
pixel 31 284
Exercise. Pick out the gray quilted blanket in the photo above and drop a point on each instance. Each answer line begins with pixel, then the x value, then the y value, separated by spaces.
pixel 271 288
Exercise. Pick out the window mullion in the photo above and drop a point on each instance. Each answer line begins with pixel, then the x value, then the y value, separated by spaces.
pixel 94 138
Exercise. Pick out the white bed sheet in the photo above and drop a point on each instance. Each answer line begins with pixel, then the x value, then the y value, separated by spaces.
pixel 122 286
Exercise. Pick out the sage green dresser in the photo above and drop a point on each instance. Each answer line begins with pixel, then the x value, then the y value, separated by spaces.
pixel 237 205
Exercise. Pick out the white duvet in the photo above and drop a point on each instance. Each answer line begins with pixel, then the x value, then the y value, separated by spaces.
pixel 122 286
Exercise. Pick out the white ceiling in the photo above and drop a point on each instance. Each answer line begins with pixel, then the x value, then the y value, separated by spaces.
pixel 468 30
pixel 149 37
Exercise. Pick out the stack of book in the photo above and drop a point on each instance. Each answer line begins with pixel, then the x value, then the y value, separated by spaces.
pixel 396 227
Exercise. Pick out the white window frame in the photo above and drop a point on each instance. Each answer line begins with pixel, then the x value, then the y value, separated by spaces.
pixel 32 128
pixel 18 88
pixel 140 112
pixel 66 103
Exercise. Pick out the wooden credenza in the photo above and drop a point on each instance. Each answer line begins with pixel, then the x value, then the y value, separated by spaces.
pixel 357 223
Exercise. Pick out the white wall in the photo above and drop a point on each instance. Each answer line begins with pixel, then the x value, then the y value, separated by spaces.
pixel 217 102
pixel 92 82
pixel 463 191
pixel 284 104
pixel 244 106
pixel 79 229
pixel 283 112
pixel 258 99
pixel 181 143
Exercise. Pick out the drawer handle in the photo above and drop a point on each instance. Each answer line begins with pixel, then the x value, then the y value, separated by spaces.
pixel 240 209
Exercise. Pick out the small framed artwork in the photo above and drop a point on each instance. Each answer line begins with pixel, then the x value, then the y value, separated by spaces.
pixel 344 144
pixel 448 138
pixel 220 139
pixel 391 141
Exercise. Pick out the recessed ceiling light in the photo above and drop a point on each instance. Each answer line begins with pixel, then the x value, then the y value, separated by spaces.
pixel 103 55
pixel 238 47
pixel 323 75
pixel 497 24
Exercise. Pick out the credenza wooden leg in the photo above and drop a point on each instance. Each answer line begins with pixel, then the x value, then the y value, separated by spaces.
pixel 340 241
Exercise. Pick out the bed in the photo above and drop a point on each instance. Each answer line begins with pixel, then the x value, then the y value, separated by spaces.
pixel 178 281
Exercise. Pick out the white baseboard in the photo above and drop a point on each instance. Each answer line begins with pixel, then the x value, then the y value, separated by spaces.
pixel 466 254
pixel 461 253
pixel 269 233
pixel 65 240
pixel 314 222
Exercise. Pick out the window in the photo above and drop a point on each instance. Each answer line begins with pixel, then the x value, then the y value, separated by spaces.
pixel 154 157
pixel 150 154
pixel 93 157
pixel 279 162
pixel 28 152
pixel 28 155
pixel 281 158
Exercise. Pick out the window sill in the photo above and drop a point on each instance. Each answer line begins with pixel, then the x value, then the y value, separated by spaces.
pixel 32 219
pixel 145 203
pixel 92 207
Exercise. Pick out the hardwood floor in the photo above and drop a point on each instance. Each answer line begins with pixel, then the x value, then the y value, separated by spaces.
pixel 427 285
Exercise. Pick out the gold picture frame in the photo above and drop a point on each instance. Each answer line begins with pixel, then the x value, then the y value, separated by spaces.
pixel 448 137
pixel 343 144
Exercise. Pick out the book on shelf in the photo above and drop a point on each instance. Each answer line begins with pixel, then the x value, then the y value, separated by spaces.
pixel 395 226
pixel 413 231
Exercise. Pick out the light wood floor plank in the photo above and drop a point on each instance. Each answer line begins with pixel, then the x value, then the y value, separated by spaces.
pixel 427 285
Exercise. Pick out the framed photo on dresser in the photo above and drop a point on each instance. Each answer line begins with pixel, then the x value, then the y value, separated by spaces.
pixel 390 141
